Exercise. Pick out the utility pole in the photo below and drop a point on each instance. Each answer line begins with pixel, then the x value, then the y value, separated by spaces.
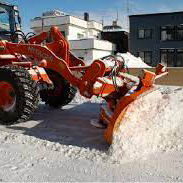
pixel 117 16
pixel 128 22
pixel 102 20
pixel 42 23
pixel 128 13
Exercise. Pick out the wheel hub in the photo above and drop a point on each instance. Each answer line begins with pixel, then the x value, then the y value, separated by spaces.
pixel 7 96
pixel 58 88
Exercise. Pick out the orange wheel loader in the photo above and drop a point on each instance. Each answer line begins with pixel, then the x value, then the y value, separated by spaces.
pixel 45 62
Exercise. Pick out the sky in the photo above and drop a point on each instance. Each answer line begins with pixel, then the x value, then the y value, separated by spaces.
pixel 99 10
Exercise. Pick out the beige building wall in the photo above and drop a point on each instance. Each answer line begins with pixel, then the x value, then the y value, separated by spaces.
pixel 174 77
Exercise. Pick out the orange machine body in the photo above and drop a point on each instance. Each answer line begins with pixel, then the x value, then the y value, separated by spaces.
pixel 96 79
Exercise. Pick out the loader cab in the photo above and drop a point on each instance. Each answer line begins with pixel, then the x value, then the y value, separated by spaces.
pixel 10 21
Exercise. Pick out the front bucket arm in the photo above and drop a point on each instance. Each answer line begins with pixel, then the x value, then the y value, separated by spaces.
pixel 43 53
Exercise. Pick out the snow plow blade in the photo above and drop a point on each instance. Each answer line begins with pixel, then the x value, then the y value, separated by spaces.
pixel 118 115
pixel 120 112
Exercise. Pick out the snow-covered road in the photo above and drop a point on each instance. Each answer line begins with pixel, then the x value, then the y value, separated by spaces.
pixel 61 145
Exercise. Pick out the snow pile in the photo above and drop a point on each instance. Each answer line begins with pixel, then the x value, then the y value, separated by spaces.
pixel 152 124
pixel 133 62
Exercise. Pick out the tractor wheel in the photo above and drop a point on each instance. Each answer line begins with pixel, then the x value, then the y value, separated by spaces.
pixel 61 95
pixel 18 95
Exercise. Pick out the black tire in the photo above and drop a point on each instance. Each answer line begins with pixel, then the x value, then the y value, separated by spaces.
pixel 57 98
pixel 26 92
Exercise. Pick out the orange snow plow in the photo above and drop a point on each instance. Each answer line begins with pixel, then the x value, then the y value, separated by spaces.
pixel 146 86
pixel 46 58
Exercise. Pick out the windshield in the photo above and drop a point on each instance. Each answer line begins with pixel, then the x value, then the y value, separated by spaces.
pixel 4 20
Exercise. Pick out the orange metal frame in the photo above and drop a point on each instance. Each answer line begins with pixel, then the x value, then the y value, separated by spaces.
pixel 57 57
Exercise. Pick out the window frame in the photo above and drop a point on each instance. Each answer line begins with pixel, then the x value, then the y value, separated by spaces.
pixel 167 28
pixel 144 36
pixel 175 30
pixel 179 51
pixel 145 52
pixel 167 51
pixel 80 35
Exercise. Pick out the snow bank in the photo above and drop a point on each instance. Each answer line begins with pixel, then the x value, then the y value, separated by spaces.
pixel 133 62
pixel 67 151
pixel 152 124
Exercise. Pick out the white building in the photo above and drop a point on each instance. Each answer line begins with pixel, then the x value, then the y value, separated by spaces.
pixel 91 49
pixel 82 34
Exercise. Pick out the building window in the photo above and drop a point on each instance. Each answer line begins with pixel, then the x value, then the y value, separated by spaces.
pixel 168 57
pixel 79 36
pixel 179 60
pixel 4 19
pixel 172 57
pixel 146 56
pixel 141 34
pixel 168 33
pixel 179 33
pixel 145 33
pixel 172 33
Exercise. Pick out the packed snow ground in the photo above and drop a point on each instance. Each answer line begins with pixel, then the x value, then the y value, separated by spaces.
pixel 61 145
